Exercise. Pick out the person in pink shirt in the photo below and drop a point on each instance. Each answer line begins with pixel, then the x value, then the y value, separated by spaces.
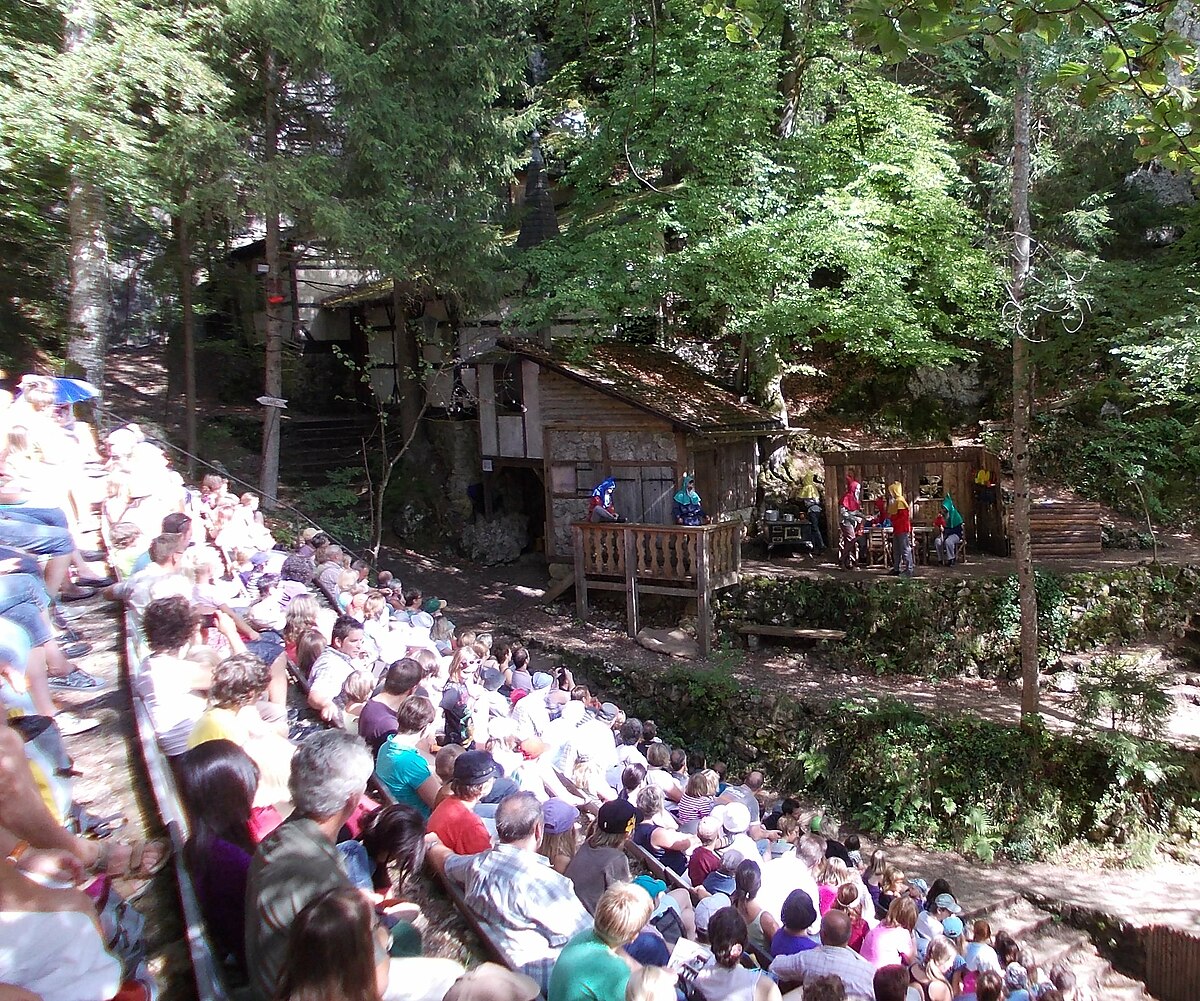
pixel 891 942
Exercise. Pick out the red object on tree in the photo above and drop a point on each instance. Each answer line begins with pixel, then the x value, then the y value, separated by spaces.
pixel 275 300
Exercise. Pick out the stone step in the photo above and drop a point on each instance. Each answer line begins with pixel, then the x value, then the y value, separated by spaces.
pixel 1051 940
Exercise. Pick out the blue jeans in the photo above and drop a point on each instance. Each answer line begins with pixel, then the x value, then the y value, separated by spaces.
pixel 22 530
pixel 356 863
pixel 23 601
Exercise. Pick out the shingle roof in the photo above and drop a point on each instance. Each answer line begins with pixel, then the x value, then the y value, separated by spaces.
pixel 653 380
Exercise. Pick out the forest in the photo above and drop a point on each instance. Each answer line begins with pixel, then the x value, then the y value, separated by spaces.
pixel 838 206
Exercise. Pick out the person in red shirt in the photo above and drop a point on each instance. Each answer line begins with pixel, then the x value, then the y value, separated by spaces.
pixel 898 510
pixel 453 820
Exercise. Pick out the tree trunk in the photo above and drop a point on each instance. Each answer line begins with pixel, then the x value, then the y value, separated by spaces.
pixel 408 367
pixel 273 382
pixel 90 303
pixel 186 278
pixel 1023 394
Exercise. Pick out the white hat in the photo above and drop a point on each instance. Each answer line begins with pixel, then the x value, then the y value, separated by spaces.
pixel 735 818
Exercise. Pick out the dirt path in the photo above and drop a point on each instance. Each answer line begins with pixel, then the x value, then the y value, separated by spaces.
pixel 508 599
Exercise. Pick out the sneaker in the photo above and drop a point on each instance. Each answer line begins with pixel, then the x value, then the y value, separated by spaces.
pixel 77 680
pixel 73 651
pixel 70 725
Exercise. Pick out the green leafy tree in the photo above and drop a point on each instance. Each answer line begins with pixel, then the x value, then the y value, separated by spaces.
pixel 744 175
pixel 1141 48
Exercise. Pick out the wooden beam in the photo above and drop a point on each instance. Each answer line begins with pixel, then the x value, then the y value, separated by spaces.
pixel 581 586
pixel 631 593
pixel 704 624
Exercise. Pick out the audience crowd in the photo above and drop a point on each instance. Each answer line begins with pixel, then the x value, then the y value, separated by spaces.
pixel 337 740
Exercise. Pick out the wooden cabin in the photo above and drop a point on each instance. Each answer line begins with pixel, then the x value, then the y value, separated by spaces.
pixel 927 474
pixel 575 413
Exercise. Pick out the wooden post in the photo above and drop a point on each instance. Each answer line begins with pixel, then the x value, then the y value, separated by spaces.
pixel 703 594
pixel 581 601
pixel 629 548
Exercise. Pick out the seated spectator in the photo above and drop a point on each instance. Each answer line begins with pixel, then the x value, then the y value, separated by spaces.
pixel 891 983
pixel 298 862
pixel 658 756
pixel 735 823
pixel 166 553
pixel 356 690
pixel 453 819
pixel 530 909
pixel 560 839
pixel 891 942
pixel 393 839
pixel 589 967
pixel 792 870
pixel 932 976
pixel 217 783
pixel 929 921
pixel 401 765
pixel 667 845
pixel 704 859
pixel 336 948
pixel 724 878
pixel 832 956
pixel 798 916
pixel 979 956
pixel 238 683
pixel 168 684
pixel 989 986
pixel 698 799
pixel 679 769
pixel 760 925
pixel 826 988
pixel 747 794
pixel 725 977
pixel 854 850
pixel 601 860
pixel 831 874
pixel 457 696
pixel 851 899
pixel 333 667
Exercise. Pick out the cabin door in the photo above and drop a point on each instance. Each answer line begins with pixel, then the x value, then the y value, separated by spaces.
pixel 645 493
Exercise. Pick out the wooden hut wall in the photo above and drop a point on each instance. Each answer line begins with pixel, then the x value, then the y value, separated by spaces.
pixel 954 468
pixel 588 436
pixel 726 474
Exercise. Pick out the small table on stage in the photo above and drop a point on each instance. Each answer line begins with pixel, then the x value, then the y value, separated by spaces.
pixel 879 545
pixel 922 542
pixel 789 533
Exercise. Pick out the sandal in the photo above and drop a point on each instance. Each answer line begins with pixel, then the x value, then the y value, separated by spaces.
pixel 135 865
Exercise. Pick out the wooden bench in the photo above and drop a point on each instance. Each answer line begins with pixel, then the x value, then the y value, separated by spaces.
pixel 754 633
pixel 655 868
pixel 206 966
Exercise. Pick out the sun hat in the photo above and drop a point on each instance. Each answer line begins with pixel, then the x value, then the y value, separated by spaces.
pixel 558 816
pixel 735 818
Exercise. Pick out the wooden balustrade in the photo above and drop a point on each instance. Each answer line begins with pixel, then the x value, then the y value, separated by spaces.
pixel 690 561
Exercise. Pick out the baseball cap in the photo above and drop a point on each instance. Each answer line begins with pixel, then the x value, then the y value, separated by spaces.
pixel 952 927
pixel 918 883
pixel 652 886
pixel 616 817
pixel 945 902
pixel 433 605
pixel 559 816
pixel 541 680
pixel 475 767
pixel 709 906
pixel 608 711
pixel 735 818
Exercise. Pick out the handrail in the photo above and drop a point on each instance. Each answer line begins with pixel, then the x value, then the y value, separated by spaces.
pixel 659 552
pixel 210 983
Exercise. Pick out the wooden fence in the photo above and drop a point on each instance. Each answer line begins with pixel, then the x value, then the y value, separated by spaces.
pixel 657 559
pixel 1172 963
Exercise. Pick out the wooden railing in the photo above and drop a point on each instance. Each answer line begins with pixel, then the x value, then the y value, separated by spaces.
pixel 1172 963
pixel 659 552
pixel 657 559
